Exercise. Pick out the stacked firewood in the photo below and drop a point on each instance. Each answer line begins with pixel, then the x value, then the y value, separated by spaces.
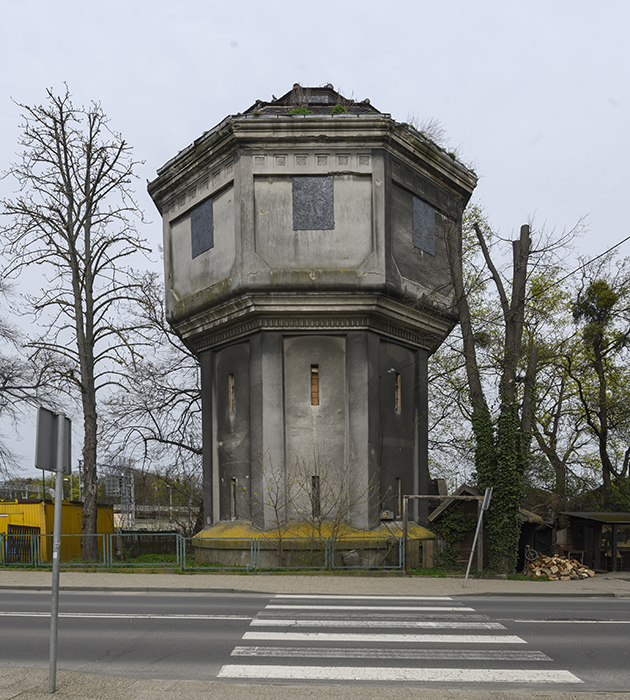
pixel 558 568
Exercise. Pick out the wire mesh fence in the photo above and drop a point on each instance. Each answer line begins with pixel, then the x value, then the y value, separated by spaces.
pixel 172 550
pixel 71 550
pixel 367 553
pixel 219 554
pixel 292 553
pixel 148 549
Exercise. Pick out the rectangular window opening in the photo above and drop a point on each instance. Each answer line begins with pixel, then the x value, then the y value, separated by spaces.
pixel 314 385
pixel 313 203
pixel 233 487
pixel 202 228
pixel 424 224
pixel 398 393
pixel 231 394
pixel 316 502
pixel 399 497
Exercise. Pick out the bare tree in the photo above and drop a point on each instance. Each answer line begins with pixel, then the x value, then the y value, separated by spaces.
pixel 155 413
pixel 23 385
pixel 156 409
pixel 73 216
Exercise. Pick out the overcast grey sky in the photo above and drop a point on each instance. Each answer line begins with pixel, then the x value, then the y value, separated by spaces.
pixel 535 95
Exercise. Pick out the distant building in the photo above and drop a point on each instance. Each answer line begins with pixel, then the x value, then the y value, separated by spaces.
pixel 306 266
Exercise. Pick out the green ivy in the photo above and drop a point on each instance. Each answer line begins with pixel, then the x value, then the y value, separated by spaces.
pixel 452 527
pixel 500 462
pixel 339 109
pixel 300 110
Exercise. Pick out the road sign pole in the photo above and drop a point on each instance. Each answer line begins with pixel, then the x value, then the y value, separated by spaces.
pixel 484 507
pixel 56 554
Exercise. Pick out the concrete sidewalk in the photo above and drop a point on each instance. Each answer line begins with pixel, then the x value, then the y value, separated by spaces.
pixel 617 584
pixel 29 684
pixel 33 685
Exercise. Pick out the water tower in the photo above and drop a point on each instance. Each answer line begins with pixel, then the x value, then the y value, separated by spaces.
pixel 306 266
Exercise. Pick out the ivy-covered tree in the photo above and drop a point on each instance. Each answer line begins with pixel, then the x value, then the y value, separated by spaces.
pixel 499 361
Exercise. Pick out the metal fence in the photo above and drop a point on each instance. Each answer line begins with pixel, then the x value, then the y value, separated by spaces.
pixel 172 550
pixel 71 550
pixel 148 549
pixel 296 553
pixel 19 546
pixel 373 553
pixel 234 554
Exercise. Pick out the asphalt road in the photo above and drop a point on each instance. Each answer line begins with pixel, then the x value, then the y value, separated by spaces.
pixel 495 643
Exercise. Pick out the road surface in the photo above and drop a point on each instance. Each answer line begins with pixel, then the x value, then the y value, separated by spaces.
pixel 573 644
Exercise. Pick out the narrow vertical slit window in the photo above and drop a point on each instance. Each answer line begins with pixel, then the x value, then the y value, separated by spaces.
pixel 314 385
pixel 399 496
pixel 398 393
pixel 316 498
pixel 231 393
pixel 233 486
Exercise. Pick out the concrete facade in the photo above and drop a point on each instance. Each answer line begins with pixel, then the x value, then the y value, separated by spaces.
pixel 306 266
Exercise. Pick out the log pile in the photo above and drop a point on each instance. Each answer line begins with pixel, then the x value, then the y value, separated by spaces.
pixel 558 568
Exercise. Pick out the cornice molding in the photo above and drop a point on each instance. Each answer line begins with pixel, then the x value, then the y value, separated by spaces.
pixel 419 327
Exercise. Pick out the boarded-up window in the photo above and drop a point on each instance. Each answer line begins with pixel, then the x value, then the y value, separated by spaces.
pixel 313 203
pixel 424 226
pixel 233 489
pixel 231 394
pixel 316 498
pixel 314 385
pixel 201 228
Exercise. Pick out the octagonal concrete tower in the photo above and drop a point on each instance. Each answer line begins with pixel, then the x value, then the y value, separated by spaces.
pixel 306 266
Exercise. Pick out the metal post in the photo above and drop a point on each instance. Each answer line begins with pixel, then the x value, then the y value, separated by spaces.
pixel 405 510
pixel 56 561
pixel 484 506
pixel 480 542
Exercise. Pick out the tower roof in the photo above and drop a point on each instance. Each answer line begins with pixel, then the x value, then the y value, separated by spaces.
pixel 317 100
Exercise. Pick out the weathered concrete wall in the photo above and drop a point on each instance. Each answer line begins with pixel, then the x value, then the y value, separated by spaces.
pixel 366 427
pixel 190 274
pixel 232 426
pixel 316 435
pixel 399 440
pixel 346 245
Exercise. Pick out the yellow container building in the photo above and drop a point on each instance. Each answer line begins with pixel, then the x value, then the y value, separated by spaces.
pixel 35 518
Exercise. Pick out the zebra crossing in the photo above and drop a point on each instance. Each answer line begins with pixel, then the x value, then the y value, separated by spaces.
pixel 421 639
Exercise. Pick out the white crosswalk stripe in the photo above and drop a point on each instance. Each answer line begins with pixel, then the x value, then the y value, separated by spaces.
pixel 367 608
pixel 433 675
pixel 385 638
pixel 461 644
pixel 397 653
pixel 403 624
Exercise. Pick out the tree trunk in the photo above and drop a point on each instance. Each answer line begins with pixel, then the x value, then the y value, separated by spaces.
pixel 89 543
